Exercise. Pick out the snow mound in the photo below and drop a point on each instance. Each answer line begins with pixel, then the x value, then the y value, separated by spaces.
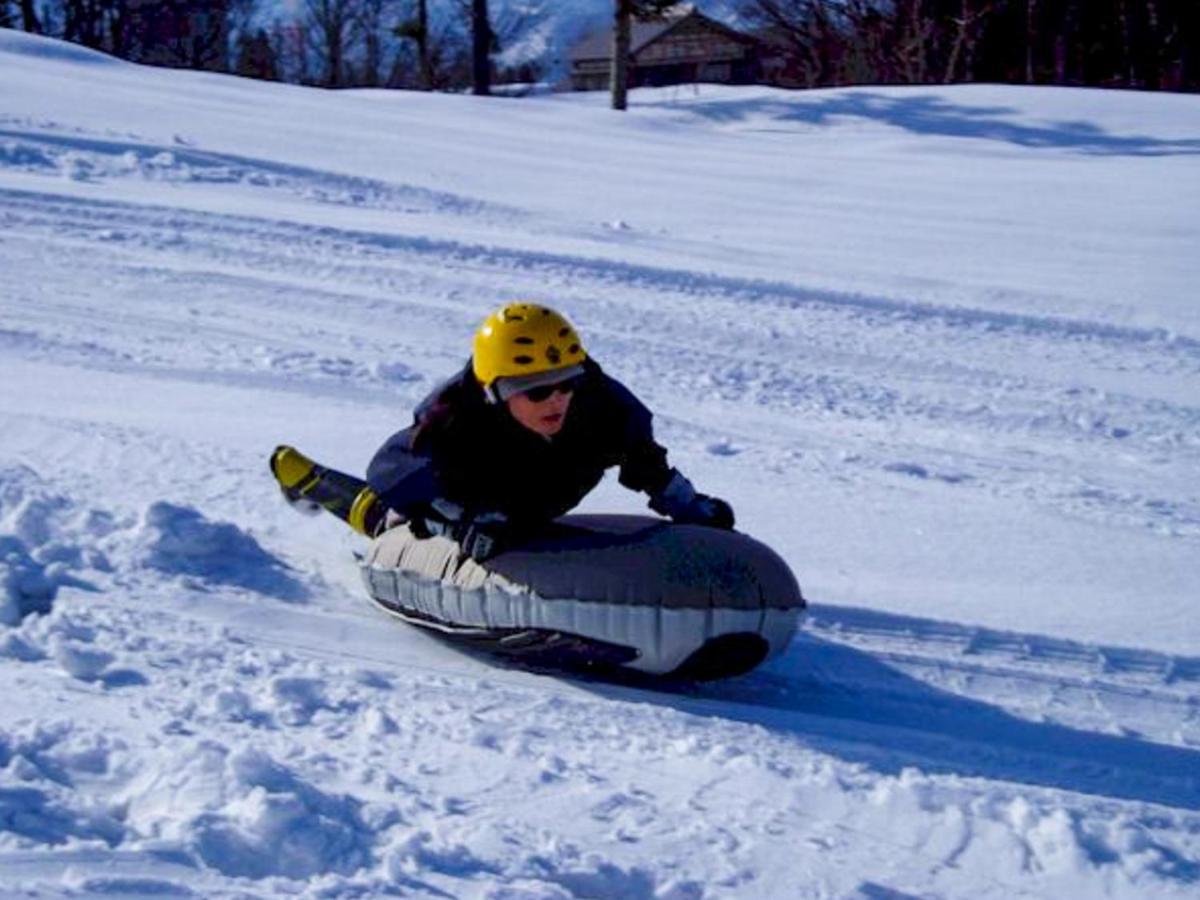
pixel 38 805
pixel 548 870
pixel 80 660
pixel 26 586
pixel 20 44
pixel 246 815
pixel 43 539
pixel 35 815
pixel 179 540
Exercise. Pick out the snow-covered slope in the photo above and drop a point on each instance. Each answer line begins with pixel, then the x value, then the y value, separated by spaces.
pixel 939 347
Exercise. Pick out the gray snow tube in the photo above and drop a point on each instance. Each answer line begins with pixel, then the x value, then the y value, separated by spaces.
pixel 630 591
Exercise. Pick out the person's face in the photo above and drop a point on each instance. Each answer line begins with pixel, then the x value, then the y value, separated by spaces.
pixel 542 410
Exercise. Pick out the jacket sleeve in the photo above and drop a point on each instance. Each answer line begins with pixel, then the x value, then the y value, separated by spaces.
pixel 402 477
pixel 643 462
pixel 403 472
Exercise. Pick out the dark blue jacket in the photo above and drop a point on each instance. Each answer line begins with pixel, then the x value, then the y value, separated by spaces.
pixel 464 449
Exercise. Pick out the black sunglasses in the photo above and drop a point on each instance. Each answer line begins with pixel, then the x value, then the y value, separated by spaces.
pixel 545 391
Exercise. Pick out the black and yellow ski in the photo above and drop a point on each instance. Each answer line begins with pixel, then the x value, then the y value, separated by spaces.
pixel 350 499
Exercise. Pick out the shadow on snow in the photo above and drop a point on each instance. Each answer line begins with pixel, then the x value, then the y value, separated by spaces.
pixel 930 114
pixel 181 541
pixel 855 706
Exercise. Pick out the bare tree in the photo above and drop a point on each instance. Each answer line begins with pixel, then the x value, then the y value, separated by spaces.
pixel 966 28
pixel 328 23
pixel 369 32
pixel 482 41
pixel 1062 37
pixel 624 12
pixel 1031 35
pixel 84 22
pixel 29 17
pixel 787 24
pixel 416 30
pixel 290 48
pixel 254 57
pixel 239 20
pixel 622 28
pixel 444 48
pixel 916 32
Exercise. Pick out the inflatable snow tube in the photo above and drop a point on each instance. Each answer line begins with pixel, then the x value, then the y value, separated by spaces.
pixel 626 591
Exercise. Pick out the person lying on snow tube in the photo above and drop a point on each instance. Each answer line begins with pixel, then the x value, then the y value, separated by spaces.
pixel 520 436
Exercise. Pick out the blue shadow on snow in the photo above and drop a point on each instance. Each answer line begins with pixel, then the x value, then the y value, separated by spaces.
pixel 854 706
pixel 218 554
pixel 931 114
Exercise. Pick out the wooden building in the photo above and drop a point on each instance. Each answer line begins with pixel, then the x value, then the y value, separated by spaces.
pixel 683 48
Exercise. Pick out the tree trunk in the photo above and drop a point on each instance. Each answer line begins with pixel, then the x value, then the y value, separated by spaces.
pixel 83 23
pixel 372 59
pixel 481 47
pixel 963 22
pixel 367 16
pixel 29 19
pixel 423 44
pixel 622 28
pixel 913 51
pixel 1127 64
pixel 333 41
pixel 1157 49
pixel 1030 38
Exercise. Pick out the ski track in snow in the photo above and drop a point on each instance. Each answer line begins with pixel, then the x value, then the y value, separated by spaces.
pixel 868 365
pixel 206 709
pixel 84 158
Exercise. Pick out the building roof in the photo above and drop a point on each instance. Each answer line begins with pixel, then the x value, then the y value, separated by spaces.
pixel 598 45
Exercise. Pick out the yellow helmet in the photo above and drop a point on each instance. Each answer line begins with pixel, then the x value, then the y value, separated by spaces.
pixel 521 340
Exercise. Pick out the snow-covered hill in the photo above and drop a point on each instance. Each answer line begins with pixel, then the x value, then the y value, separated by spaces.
pixel 940 348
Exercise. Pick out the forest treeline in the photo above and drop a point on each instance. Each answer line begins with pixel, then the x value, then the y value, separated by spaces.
pixel 454 44
pixel 331 43
pixel 1145 44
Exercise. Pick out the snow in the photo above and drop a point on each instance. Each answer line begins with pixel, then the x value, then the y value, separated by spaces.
pixel 938 346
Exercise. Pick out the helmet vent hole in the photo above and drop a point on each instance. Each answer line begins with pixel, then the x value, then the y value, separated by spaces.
pixel 573 349
pixel 522 360
pixel 563 332
pixel 523 340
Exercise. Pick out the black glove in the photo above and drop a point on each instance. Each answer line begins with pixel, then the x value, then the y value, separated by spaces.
pixel 479 535
pixel 680 501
